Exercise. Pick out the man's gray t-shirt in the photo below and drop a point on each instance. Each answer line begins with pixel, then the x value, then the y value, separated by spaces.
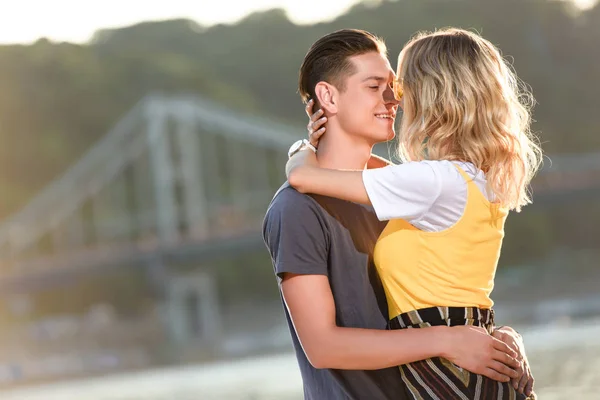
pixel 311 234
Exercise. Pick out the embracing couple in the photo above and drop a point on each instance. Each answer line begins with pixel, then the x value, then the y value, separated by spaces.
pixel 386 271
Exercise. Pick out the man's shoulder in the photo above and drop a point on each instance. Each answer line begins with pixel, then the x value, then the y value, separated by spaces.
pixel 292 217
pixel 287 199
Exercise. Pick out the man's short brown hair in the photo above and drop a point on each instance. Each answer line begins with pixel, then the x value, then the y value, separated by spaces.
pixel 327 59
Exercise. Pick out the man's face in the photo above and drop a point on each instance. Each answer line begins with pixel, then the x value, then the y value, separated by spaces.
pixel 367 107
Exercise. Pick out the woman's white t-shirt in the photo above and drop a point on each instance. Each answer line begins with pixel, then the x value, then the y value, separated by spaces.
pixel 430 195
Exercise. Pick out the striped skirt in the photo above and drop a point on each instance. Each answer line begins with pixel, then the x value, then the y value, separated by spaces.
pixel 440 379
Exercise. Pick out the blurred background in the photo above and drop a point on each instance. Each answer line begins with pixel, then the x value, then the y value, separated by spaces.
pixel 141 144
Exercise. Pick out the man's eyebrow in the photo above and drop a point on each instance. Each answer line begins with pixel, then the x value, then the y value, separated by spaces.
pixel 376 78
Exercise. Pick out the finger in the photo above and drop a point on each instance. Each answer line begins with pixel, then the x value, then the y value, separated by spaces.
pixel 310 127
pixel 506 360
pixel 318 124
pixel 504 348
pixel 313 137
pixel 529 386
pixel 516 382
pixel 507 340
pixel 316 115
pixel 495 375
pixel 317 134
pixel 503 369
pixel 309 107
pixel 523 382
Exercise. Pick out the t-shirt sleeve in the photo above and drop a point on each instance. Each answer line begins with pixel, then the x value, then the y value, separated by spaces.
pixel 294 233
pixel 404 191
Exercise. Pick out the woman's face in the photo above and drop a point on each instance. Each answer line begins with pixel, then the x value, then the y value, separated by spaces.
pixel 398 82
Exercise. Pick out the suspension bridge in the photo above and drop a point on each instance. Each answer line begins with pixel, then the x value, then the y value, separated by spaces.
pixel 179 178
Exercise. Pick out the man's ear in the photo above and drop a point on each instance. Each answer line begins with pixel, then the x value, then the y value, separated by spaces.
pixel 327 95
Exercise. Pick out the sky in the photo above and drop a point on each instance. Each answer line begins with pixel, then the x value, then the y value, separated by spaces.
pixel 76 20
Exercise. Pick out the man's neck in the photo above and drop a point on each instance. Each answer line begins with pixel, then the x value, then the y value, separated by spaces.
pixel 338 150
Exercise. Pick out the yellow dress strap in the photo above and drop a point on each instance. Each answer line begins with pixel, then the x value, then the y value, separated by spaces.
pixel 464 174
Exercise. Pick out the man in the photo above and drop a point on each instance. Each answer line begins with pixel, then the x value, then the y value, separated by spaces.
pixel 321 247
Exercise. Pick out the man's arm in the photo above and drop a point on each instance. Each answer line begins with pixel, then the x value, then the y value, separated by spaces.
pixel 298 245
pixel 311 306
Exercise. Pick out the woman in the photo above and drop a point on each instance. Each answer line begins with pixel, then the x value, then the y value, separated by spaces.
pixel 468 158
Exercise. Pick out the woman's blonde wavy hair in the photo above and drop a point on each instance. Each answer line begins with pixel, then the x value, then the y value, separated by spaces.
pixel 462 101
